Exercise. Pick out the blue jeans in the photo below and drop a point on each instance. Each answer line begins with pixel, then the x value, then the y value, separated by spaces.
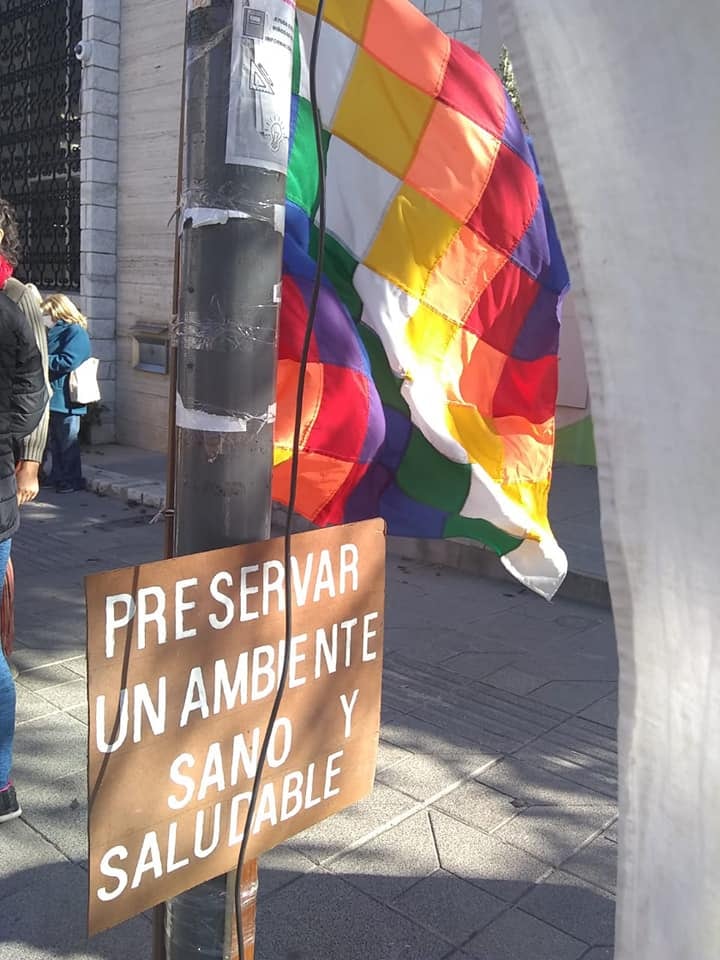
pixel 65 449
pixel 7 693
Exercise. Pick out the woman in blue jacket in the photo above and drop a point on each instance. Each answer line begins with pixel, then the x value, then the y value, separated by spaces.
pixel 68 347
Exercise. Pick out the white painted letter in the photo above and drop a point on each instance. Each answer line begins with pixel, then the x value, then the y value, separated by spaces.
pixel 246 591
pixel 325 579
pixel 182 606
pixel 368 634
pixel 330 773
pixel 113 622
pixel 201 853
pixel 156 616
pixel 120 724
pixel 294 792
pixel 215 622
pixel 260 671
pixel 149 859
pixel 295 659
pixel 275 585
pixel 348 711
pixel 142 701
pixel 273 759
pixel 116 873
pixel 196 684
pixel 213 774
pixel 348 566
pixel 239 688
pixel 182 780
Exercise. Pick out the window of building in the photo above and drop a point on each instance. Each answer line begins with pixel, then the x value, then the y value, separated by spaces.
pixel 40 135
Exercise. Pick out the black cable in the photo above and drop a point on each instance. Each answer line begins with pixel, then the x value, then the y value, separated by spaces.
pixel 294 473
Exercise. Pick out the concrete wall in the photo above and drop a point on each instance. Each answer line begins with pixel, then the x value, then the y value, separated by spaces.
pixel 151 53
pixel 99 193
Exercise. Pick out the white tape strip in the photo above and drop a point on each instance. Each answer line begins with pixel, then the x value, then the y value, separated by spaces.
pixel 214 423
pixel 214 216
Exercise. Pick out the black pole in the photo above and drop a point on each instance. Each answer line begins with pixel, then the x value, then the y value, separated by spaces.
pixel 231 257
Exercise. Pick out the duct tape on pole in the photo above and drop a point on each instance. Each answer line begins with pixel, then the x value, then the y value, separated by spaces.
pixel 237 106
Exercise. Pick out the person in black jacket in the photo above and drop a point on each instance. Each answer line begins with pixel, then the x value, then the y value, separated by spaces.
pixel 23 400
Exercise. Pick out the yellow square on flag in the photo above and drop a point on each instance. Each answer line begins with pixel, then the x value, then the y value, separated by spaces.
pixel 412 239
pixel 389 113
pixel 348 16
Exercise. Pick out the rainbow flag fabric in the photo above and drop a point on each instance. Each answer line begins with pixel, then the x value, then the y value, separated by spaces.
pixel 432 382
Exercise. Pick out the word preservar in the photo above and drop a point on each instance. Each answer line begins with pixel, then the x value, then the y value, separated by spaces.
pixel 184 662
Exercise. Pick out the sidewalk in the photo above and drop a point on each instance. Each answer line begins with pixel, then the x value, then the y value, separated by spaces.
pixel 138 476
pixel 491 831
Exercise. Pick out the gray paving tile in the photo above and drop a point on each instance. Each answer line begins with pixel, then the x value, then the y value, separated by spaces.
pixel 281 866
pixel 390 754
pixel 578 908
pixel 612 832
pixel 354 926
pixel 515 680
pixel 604 712
pixel 23 854
pixel 553 833
pixel 30 706
pixel 66 695
pixel 523 632
pixel 572 696
pixel 392 862
pixel 516 936
pixel 453 907
pixel 475 666
pixel 426 644
pixel 78 666
pixel 49 914
pixel 330 837
pixel 530 783
pixel 600 953
pixel 41 679
pixel 477 805
pixel 596 863
pixel 79 713
pixel 503 871
pixel 423 775
pixel 575 764
pixel 58 810
pixel 48 748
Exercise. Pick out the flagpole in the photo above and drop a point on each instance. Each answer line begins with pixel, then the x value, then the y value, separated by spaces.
pixel 226 364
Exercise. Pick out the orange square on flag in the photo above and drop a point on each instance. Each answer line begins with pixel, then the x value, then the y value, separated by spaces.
pixel 409 44
pixel 287 384
pixel 347 15
pixel 414 235
pixel 312 498
pixel 454 161
pixel 467 267
pixel 381 115
pixel 481 367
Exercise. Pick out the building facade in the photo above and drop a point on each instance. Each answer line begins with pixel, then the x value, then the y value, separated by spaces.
pixel 99 205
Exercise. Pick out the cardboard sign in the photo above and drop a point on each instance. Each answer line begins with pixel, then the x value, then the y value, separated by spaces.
pixel 184 660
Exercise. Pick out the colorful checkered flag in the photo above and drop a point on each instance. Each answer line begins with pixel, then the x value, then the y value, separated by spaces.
pixel 432 382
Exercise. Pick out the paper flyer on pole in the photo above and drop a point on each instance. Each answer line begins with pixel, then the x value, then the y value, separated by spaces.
pixel 261 84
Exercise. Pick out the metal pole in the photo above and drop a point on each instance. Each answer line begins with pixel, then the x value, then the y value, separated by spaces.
pixel 226 371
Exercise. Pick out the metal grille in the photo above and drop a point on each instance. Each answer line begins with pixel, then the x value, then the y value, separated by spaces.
pixel 40 135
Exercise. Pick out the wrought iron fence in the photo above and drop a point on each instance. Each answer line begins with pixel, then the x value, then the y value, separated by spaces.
pixel 40 135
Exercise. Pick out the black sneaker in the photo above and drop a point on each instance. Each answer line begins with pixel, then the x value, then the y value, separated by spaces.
pixel 64 488
pixel 9 806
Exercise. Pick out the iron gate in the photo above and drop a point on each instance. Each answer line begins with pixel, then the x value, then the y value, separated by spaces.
pixel 40 135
